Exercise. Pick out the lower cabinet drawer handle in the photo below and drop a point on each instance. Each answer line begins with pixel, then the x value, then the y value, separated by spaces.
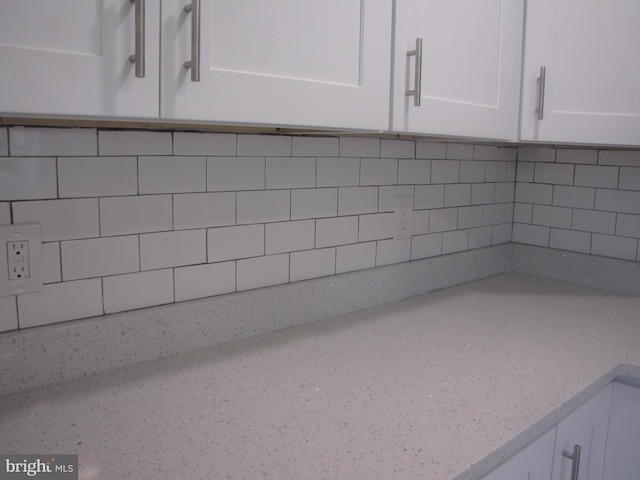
pixel 575 461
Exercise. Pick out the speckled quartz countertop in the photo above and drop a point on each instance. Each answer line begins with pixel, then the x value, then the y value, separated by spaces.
pixel 441 386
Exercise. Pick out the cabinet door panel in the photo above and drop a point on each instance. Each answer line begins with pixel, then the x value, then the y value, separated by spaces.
pixel 622 458
pixel 313 63
pixel 70 57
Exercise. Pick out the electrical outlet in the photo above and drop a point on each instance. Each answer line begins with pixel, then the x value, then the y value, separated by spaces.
pixel 403 217
pixel 20 259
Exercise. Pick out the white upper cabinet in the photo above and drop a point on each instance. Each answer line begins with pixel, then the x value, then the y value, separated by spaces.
pixel 71 57
pixel 320 63
pixel 471 62
pixel 591 93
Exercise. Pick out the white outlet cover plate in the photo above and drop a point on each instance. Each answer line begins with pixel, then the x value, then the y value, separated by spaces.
pixel 30 232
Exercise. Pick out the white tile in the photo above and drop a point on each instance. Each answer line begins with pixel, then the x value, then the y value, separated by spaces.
pixel 28 178
pixel 338 172
pixel 262 271
pixel 505 192
pixel 628 225
pixel 121 142
pixel 208 144
pixel 172 174
pixel 534 193
pixel 289 236
pixel 469 217
pixel 359 147
pixel 97 176
pixel 522 212
pixel 482 193
pixel 411 171
pixel 336 231
pixel 392 251
pixel 472 171
pixel 570 240
pixel 525 171
pixel 51 263
pixel 495 171
pixel 99 257
pixel 428 196
pixel 314 203
pixel 625 158
pixel 507 154
pixel 443 219
pixel 559 217
pixel 230 243
pixel 291 172
pixel 316 146
pixel 456 195
pixel 424 246
pixel 434 150
pixel 61 219
pixel 629 178
pixel 622 201
pixel 531 234
pixel 4 142
pixel 59 302
pixel 455 241
pixel 172 249
pixel 480 237
pixel 485 152
pixel 39 142
pixel 235 173
pixel 263 206
pixel 264 145
pixel 138 290
pixel 554 173
pixel 577 197
pixel 511 171
pixel 5 213
pixel 359 256
pixel 377 226
pixel 312 264
pixel 445 171
pixel 501 233
pixel 387 196
pixel 357 200
pixel 198 210
pixel 616 247
pixel 391 148
pixel 593 221
pixel 378 171
pixel 596 176
pixel 8 314
pixel 576 155
pixel 420 222
pixel 459 151
pixel 536 154
pixel 199 281
pixel 140 214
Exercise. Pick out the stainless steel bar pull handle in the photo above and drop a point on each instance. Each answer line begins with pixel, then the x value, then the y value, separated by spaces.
pixel 417 89
pixel 194 63
pixel 575 461
pixel 138 57
pixel 541 82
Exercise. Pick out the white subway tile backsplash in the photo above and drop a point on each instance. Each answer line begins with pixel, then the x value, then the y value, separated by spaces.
pixel 314 203
pixel 536 154
pixel 534 193
pixel 559 217
pixel 338 172
pixel 456 195
pixel 455 241
pixel 485 152
pixel 624 158
pixel 377 226
pixel 235 173
pixel 596 176
pixel 504 192
pixel 443 219
pixel 628 225
pixel 480 237
pixel 357 200
pixel 291 172
pixel 428 196
pixel 8 314
pixel 230 243
pixel 262 271
pixel 412 171
pixel 390 148
pixel 312 264
pixel 629 178
pixel 431 150
pixel 523 213
pixel 424 246
pixel 315 147
pixel 139 214
pixel 393 251
pixel 507 154
pixel 289 236
pixel 52 142
pixel 469 217
pixel 501 233
pixel 28 178
pixel 207 144
pixel 472 171
pixel 201 210
pixel 59 302
pixel 570 240
pixel 387 196
pixel 122 142
pixel 199 281
pixel 51 263
pixel 420 222
pixel 497 213
pixel 358 256
pixel 4 142
pixel 263 206
pixel 378 171
pixel 577 156
pixel 172 174
pixel 336 231
pixel 511 171
pixel 621 201
pixel 577 197
pixel 359 147
pixel 61 219
pixel 593 221
pixel 555 173
pixel 172 249
pixel 495 171
pixel 531 234
pixel 138 290
pixel 617 247
pixel 482 193
pixel 524 171
pixel 99 257
pixel 459 151
pixel 264 146
pixel 445 171
pixel 97 176
pixel 5 213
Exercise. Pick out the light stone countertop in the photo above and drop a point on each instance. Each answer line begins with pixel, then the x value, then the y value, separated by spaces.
pixel 441 386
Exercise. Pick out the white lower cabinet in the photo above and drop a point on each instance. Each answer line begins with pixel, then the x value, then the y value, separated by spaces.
pixel 622 457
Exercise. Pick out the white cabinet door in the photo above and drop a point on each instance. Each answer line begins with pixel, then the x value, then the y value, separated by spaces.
pixel 587 427
pixel 592 83
pixel 532 463
pixel 622 458
pixel 321 63
pixel 70 57
pixel 471 64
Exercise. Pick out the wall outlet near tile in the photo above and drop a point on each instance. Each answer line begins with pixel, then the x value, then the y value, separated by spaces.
pixel 403 217
pixel 20 259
